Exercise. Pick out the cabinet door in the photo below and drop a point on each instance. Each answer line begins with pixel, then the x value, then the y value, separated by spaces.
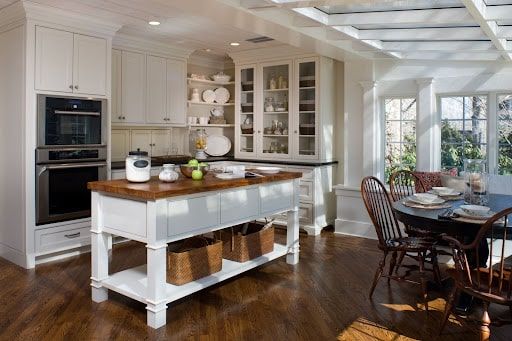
pixel 161 142
pixel 156 104
pixel 248 130
pixel 141 139
pixel 120 143
pixel 90 65
pixel 133 87
pixel 54 60
pixel 176 91
pixel 117 115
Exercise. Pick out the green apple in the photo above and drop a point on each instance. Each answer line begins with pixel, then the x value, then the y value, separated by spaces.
pixel 193 163
pixel 197 174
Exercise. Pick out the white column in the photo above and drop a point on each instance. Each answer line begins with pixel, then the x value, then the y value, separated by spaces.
pixel 156 264
pixel 292 228
pixel 428 129
pixel 99 251
pixel 372 150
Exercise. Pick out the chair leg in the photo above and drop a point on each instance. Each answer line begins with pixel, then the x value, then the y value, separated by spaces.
pixel 378 273
pixel 399 262
pixel 423 279
pixel 448 307
pixel 435 267
pixel 392 266
pixel 485 332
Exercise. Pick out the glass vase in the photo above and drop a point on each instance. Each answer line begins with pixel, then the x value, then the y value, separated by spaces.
pixel 477 182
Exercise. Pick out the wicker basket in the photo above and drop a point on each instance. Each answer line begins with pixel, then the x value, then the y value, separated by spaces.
pixel 197 257
pixel 241 248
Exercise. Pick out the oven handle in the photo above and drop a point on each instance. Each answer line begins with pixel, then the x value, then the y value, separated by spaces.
pixel 69 112
pixel 72 165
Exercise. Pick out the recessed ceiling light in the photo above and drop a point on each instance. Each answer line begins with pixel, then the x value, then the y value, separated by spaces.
pixel 154 23
pixel 234 44
pixel 208 50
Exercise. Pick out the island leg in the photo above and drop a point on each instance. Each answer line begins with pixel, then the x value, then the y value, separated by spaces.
pixel 156 267
pixel 100 242
pixel 292 231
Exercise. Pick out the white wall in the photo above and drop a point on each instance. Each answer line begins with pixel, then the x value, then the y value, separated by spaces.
pixel 12 224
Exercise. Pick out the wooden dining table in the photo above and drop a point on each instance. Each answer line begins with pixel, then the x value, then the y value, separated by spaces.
pixel 429 220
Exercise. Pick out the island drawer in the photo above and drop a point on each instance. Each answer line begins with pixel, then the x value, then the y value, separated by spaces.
pixel 239 204
pixel 192 214
pixel 275 197
pixel 62 237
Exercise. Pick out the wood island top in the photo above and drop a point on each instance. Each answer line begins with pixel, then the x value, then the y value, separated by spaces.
pixel 156 189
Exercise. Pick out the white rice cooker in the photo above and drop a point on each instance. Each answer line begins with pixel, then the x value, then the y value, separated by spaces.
pixel 138 166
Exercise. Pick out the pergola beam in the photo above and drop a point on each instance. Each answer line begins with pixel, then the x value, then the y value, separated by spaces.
pixel 443 33
pixel 477 8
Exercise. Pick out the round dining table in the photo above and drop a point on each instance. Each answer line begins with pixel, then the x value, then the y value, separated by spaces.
pixel 429 220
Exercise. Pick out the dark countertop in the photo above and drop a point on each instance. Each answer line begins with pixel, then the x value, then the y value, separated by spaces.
pixel 159 161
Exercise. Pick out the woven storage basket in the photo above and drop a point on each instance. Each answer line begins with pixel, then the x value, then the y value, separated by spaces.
pixel 197 257
pixel 241 248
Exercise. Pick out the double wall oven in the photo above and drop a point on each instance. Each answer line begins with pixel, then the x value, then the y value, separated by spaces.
pixel 71 151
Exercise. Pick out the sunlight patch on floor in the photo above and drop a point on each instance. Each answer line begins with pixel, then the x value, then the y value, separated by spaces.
pixel 363 329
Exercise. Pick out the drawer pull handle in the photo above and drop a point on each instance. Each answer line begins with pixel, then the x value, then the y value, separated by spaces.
pixel 74 235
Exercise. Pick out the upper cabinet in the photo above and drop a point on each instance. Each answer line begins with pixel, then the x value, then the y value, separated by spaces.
pixel 70 63
pixel 147 89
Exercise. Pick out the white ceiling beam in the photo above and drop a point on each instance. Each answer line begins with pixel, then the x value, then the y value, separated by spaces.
pixel 445 33
pixel 477 9
pixel 317 3
pixel 505 32
pixel 431 16
pixel 498 12
pixel 405 46
pixel 349 32
pixel 303 21
pixel 453 56
pixel 256 4
pixel 313 14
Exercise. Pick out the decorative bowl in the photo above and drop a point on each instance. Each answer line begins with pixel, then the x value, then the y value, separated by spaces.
pixel 187 170
pixel 220 77
pixel 476 210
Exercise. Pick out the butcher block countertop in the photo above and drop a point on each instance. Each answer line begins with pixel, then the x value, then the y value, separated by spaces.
pixel 156 189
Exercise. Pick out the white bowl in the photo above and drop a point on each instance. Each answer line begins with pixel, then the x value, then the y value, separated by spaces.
pixel 476 210
pixel 444 191
pixel 426 198
pixel 221 78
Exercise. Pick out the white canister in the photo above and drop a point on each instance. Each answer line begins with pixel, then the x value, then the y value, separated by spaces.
pixel 168 174
pixel 138 166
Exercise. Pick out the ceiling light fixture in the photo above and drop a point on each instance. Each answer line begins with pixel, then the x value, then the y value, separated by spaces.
pixel 234 44
pixel 154 23
pixel 208 50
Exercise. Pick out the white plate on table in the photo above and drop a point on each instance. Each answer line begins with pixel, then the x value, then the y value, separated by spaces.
pixel 460 212
pixel 268 170
pixel 217 145
pixel 228 176
pixel 436 201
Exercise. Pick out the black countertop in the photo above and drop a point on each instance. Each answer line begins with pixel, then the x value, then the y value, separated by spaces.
pixel 158 161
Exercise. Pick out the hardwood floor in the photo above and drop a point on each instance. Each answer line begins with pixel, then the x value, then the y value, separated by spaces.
pixel 325 297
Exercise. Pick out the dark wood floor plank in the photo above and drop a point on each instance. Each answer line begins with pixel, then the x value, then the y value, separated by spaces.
pixel 324 297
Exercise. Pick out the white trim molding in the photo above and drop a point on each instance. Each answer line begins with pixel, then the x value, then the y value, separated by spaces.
pixel 351 216
pixel 372 133
pixel 427 128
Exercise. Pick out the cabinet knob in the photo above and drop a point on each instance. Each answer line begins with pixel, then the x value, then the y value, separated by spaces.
pixel 120 118
pixel 259 131
pixel 295 132
pixel 71 86
pixel 76 87
pixel 124 117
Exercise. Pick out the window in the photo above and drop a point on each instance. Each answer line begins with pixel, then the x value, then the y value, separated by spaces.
pixel 505 134
pixel 463 130
pixel 400 144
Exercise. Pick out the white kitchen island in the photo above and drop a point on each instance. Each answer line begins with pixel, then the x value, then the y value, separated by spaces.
pixel 156 213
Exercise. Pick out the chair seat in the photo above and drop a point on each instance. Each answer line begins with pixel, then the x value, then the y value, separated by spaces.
pixel 483 292
pixel 409 244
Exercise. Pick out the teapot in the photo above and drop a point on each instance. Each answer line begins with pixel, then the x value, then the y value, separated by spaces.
pixel 217 112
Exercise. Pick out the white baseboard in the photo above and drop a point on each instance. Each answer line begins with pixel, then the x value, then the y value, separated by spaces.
pixel 15 256
pixel 354 228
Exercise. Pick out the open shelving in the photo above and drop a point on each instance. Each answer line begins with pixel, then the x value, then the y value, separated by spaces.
pixel 208 82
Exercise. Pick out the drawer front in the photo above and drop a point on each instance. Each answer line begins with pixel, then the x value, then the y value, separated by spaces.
pixel 192 214
pixel 305 213
pixel 306 190
pixel 275 197
pixel 61 238
pixel 114 216
pixel 239 204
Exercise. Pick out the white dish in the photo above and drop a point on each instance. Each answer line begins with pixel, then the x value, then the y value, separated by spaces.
pixel 229 176
pixel 476 210
pixel 434 201
pixel 217 145
pixel 426 198
pixel 220 77
pixel 208 96
pixel 463 214
pixel 445 191
pixel 268 170
pixel 221 95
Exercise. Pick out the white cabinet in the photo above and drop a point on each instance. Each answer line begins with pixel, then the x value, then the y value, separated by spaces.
pixel 133 85
pixel 70 63
pixel 148 89
pixel 176 92
pixel 120 142
pixel 156 106
pixel 155 142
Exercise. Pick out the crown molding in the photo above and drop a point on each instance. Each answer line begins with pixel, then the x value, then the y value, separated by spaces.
pixel 267 53
pixel 126 41
pixel 57 17
pixel 210 60
pixel 368 85
pixel 12 16
pixel 424 81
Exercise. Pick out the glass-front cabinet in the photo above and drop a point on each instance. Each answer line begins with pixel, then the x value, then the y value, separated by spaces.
pixel 306 128
pixel 275 122
pixel 246 113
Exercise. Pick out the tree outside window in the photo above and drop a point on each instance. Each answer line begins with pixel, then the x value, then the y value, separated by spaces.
pixel 400 144
pixel 505 134
pixel 463 130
